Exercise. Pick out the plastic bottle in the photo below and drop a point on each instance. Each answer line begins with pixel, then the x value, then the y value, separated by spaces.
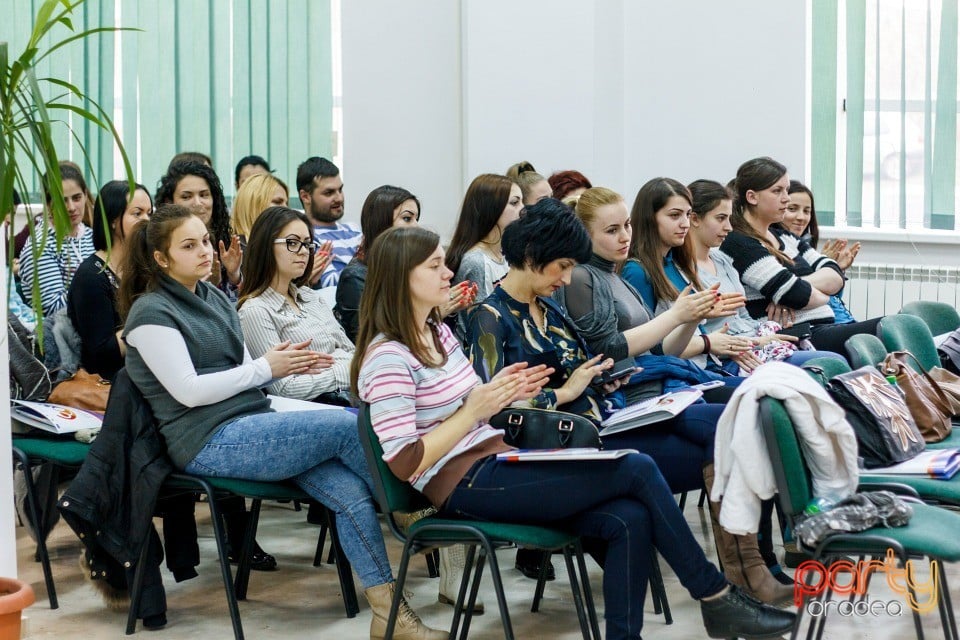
pixel 893 383
pixel 819 505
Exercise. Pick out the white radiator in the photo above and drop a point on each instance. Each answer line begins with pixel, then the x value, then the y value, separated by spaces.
pixel 877 290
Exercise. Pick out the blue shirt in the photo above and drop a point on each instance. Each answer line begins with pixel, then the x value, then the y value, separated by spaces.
pixel 634 273
pixel 346 240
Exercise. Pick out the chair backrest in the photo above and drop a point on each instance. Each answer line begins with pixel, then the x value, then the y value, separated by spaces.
pixel 789 467
pixel 939 316
pixel 829 366
pixel 902 332
pixel 391 493
pixel 865 350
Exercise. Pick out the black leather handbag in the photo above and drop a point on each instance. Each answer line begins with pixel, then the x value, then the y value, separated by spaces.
pixel 886 432
pixel 530 428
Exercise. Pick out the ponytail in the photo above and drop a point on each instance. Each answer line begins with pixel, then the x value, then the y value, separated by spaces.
pixel 141 273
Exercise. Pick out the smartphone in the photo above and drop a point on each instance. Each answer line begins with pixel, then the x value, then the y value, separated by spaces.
pixel 800 331
pixel 703 386
pixel 619 369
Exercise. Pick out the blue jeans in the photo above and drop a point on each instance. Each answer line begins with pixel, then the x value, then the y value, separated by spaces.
pixel 680 447
pixel 320 452
pixel 799 358
pixel 624 502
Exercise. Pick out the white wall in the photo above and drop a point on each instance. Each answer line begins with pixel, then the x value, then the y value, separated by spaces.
pixel 435 93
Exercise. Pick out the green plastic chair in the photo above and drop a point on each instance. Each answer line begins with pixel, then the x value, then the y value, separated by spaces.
pixel 902 332
pixel 939 316
pixel 865 350
pixel 922 537
pixel 61 453
pixel 394 495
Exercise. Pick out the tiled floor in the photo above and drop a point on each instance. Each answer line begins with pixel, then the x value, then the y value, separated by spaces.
pixel 300 601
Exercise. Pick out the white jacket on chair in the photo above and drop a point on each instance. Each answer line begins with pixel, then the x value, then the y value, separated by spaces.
pixel 743 473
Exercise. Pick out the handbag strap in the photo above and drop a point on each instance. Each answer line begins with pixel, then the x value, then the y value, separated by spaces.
pixel 941 394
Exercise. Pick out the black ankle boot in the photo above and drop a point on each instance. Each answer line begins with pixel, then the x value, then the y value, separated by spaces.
pixel 528 563
pixel 735 614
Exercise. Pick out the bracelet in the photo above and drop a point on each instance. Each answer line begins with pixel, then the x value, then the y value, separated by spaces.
pixel 706 343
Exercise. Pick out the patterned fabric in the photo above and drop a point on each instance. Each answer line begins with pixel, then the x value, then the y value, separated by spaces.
pixel 53 269
pixel 765 279
pixel 501 331
pixel 346 240
pixel 859 512
pixel 408 400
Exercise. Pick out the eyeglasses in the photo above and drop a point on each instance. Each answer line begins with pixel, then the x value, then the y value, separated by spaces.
pixel 294 245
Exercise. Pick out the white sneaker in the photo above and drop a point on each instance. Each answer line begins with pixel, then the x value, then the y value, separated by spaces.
pixel 452 559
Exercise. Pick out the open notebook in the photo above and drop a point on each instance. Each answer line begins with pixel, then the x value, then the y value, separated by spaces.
pixel 55 418
pixel 649 411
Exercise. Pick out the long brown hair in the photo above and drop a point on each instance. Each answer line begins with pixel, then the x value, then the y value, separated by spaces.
pixel 259 262
pixel 756 175
pixel 483 204
pixel 645 245
pixel 141 273
pixel 813 227
pixel 386 306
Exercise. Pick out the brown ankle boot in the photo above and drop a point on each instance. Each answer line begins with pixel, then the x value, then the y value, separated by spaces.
pixel 408 627
pixel 740 556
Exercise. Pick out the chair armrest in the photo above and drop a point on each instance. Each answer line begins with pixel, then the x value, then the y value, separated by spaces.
pixel 893 487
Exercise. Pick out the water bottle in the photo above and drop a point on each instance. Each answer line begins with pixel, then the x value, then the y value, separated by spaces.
pixel 819 505
pixel 893 383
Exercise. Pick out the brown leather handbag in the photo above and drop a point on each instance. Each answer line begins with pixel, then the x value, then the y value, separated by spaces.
pixel 950 383
pixel 82 391
pixel 929 406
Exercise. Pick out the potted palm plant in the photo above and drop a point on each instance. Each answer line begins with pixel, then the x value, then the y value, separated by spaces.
pixel 32 108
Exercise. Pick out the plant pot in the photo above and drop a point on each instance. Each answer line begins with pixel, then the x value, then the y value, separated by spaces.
pixel 15 596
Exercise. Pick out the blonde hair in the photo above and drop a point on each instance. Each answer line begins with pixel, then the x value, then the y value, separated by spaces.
pixel 589 201
pixel 252 199
pixel 525 176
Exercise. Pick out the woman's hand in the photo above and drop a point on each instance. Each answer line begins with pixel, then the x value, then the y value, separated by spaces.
pixel 775 337
pixel 784 316
pixel 748 361
pixel 726 305
pixel 832 248
pixel 232 259
pixel 321 260
pixel 723 344
pixel 462 295
pixel 581 378
pixel 847 256
pixel 287 359
pixel 693 307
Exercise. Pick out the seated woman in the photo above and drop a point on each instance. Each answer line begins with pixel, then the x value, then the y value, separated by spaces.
pixel 778 268
pixel 800 219
pixel 47 269
pixel 491 203
pixel 385 207
pixel 254 196
pixel 660 264
pixel 519 322
pixel 92 297
pixel 533 186
pixel 568 184
pixel 197 186
pixel 185 352
pixel 614 320
pixel 431 414
pixel 277 305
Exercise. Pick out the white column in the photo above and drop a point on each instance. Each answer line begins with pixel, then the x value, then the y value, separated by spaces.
pixel 8 540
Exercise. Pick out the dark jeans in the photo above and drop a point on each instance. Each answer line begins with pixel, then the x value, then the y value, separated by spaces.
pixel 624 502
pixel 680 447
pixel 832 337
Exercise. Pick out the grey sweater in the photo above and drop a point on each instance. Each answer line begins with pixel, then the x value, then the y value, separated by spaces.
pixel 211 330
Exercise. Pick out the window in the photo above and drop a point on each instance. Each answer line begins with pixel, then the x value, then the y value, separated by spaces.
pixel 884 113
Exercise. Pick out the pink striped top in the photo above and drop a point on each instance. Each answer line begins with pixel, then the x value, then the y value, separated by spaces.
pixel 408 400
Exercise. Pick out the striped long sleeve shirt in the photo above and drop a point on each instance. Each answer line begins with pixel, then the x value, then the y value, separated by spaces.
pixel 53 269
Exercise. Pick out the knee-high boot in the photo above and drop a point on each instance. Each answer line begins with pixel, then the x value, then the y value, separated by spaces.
pixel 740 555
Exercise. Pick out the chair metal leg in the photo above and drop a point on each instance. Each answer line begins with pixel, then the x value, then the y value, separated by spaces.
pixel 657 587
pixel 541 581
pixel 250 535
pixel 474 589
pixel 462 592
pixel 33 504
pixel 703 498
pixel 577 594
pixel 220 536
pixel 587 591
pixel 498 588
pixel 321 541
pixel 433 563
pixel 398 589
pixel 948 605
pixel 344 570
pixel 683 501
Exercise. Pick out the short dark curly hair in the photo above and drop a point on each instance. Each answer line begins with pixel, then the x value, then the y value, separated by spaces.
pixel 549 230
